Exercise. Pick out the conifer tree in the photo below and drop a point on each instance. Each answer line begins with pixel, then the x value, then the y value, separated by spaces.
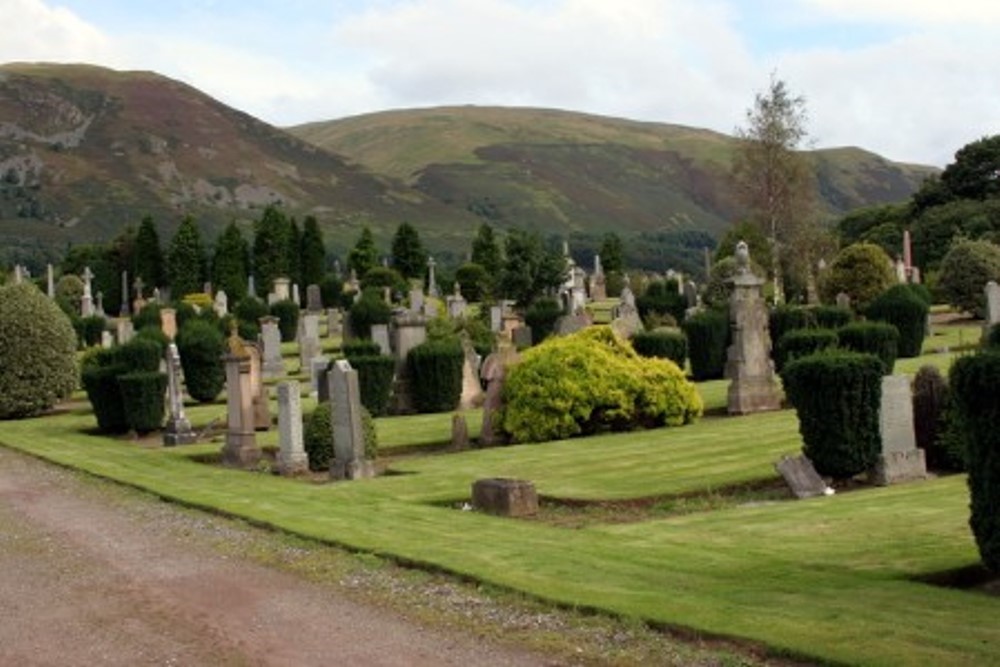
pixel 312 253
pixel 486 250
pixel 186 260
pixel 270 248
pixel 293 248
pixel 364 255
pixel 230 263
pixel 148 255
pixel 408 254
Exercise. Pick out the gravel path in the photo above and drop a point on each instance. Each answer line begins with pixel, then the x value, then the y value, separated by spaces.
pixel 92 576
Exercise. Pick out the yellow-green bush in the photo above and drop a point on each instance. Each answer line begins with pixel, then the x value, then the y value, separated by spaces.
pixel 593 381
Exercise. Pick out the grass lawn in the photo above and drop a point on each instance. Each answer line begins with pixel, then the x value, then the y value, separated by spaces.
pixel 830 578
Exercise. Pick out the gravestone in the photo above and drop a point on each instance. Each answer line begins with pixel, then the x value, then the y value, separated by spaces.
pixel 843 300
pixel 258 390
pixel 801 477
pixel 295 295
pixel 494 372
pixel 408 332
pixel 505 497
pixel 626 321
pixel 177 430
pixel 139 301
pixel 417 301
pixel 168 322
pixel 752 386
pixel 349 461
pixel 50 282
pixel 472 390
pixel 334 322
pixel 107 339
pixel 314 298
pixel 125 330
pixel 317 373
pixel 309 347
pixel 598 282
pixel 282 287
pixel 570 324
pixel 432 287
pixel 627 297
pixel 456 303
pixel 251 287
pixel 221 304
pixel 901 460
pixel 380 336
pixel 496 318
pixel 87 300
pixel 992 304
pixel 270 336
pixel 691 294
pixel 522 337
pixel 241 448
pixel 459 433
pixel 430 309
pixel 292 457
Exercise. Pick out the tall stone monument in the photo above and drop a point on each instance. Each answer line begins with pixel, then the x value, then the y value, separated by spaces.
pixel 749 367
pixel 87 300
pixel 349 460
pixel 177 430
pixel 241 448
pixel 408 331
pixel 292 457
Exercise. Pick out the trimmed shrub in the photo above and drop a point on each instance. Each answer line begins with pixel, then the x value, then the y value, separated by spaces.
pixel 317 436
pixel 89 330
pixel 932 417
pixel 992 338
pixel 541 316
pixel 922 292
pixel 287 313
pixel 368 310
pixel 789 318
pixel 201 346
pixel 149 316
pixel 831 317
pixel 903 309
pixel 592 381
pixel 375 375
pixel 862 271
pixel 661 298
pixel 801 343
pixel 37 352
pixel 360 347
pixel 143 399
pixel 965 270
pixel 837 395
pixel 876 338
pixel 142 353
pixel 436 375
pixel 707 337
pixel 101 383
pixel 974 381
pixel 330 289
pixel 184 312
pixel 248 312
pixel 155 334
pixel 663 344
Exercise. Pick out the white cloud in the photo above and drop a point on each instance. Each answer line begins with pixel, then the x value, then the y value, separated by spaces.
pixel 33 30
pixel 923 12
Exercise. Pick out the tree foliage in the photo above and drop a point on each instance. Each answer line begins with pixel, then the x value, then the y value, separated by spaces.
pixel 408 254
pixel 486 250
pixel 231 263
pixel 312 252
pixel 364 255
pixel 612 252
pixel 529 270
pixel 270 248
pixel 965 270
pixel 186 259
pixel 862 271
pixel 148 254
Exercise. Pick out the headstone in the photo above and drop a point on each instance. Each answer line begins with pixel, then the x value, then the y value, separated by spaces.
pixel 408 332
pixel 18 276
pixel 309 346
pixel 691 294
pixel 87 300
pixel 505 497
pixel 251 287
pixel 900 271
pixel 494 372
pixel 270 335
pixel 843 300
pixel 295 294
pixel 51 282
pixel 472 389
pixel 258 390
pixel 752 386
pixel 626 321
pixel 598 281
pixel 417 301
pixel 992 303
pixel 125 330
pixel 107 339
pixel 317 373
pixel 221 304
pixel 334 322
pixel 456 303
pixel 801 477
pixel 496 319
pixel 349 461
pixel 570 324
pixel 380 336
pixel 241 448
pixel 901 460
pixel 168 322
pixel 323 386
pixel 628 297
pixel 281 289
pixel 99 304
pixel 314 298
pixel 292 457
pixel 177 430
pixel 430 309
pixel 139 301
pixel 459 433
pixel 432 288
pixel 522 337
pixel 125 311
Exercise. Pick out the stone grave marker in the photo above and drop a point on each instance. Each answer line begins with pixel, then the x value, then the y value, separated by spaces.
pixel 241 448
pixel 50 282
pixel 522 337
pixel 295 295
pixel 125 330
pixel 309 346
pixel 334 322
pixel 270 336
pixel 221 304
pixel 349 461
pixel 417 300
pixel 496 318
pixel 408 332
pixel 494 372
pixel 317 373
pixel 258 390
pixel 801 477
pixel 456 303
pixel 292 457
pixel 843 300
pixel 992 303
pixel 472 390
pixel 380 336
pixel 314 298
pixel 177 430
pixel 570 324
pixel 282 289
pixel 168 322
pixel 505 497
pixel 901 460
pixel 107 339
pixel 459 433
pixel 87 300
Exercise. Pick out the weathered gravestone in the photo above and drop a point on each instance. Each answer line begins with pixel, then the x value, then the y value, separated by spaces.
pixel 505 497
pixel 843 300
pixel 409 331
pixel 87 300
pixel 295 295
pixel 380 336
pixel 598 281
pixel 292 457
pixel 349 460
pixel 334 322
pixel 107 339
pixel 314 298
pixel 496 318
pixel 177 430
pixel 221 304
pixel 417 301
pixel 241 448
pixel 125 330
pixel 168 322
pixel 992 304
pixel 270 336
pixel 901 460
pixel 494 372
pixel 258 390
pixel 570 324
pixel 472 390
pixel 456 303
pixel 522 337
pixel 317 373
pixel 459 433
pixel 752 386
pixel 309 347
pixel 282 289
pixel 801 477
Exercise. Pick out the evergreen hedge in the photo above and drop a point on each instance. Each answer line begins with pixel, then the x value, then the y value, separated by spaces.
pixel 801 343
pixel 317 436
pixel 360 347
pixel 143 399
pixel 248 312
pixel 787 318
pixel 831 317
pixel 368 310
pixel 201 346
pixel 974 381
pixel 707 337
pixel 89 330
pixel 149 316
pixel 142 353
pixel 663 344
pixel 101 383
pixel 436 375
pixel 287 313
pixel 992 338
pixel 375 375
pixel 662 298
pixel 542 316
pixel 934 421
pixel 903 309
pixel 876 338
pixel 837 396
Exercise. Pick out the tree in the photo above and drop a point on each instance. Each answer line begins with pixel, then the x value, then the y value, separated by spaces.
pixel 408 254
pixel 773 181
pixel 312 252
pixel 529 270
pixel 231 262
pixel 975 173
pixel 612 253
pixel 965 270
pixel 148 255
pixel 862 271
pixel 186 259
pixel 293 247
pixel 270 248
pixel 486 250
pixel 473 280
pixel 364 255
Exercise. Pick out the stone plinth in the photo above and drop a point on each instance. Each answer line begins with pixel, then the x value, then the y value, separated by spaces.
pixel 261 404
pixel 505 497
pixel 241 449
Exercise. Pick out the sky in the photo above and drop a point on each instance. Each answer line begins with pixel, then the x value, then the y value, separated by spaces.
pixel 913 80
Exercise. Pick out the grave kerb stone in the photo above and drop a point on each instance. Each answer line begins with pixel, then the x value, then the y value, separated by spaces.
pixel 505 497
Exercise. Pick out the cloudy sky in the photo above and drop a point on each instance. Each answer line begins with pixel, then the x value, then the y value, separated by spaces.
pixel 913 80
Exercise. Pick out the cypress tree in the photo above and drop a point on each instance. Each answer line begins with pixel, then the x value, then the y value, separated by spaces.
pixel 186 259
pixel 486 250
pixel 270 248
pixel 408 254
pixel 148 255
pixel 312 252
pixel 364 255
pixel 230 263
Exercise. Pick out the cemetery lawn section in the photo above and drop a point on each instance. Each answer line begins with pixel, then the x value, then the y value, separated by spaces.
pixel 830 579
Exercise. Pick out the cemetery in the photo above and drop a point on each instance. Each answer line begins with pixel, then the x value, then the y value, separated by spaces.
pixel 716 484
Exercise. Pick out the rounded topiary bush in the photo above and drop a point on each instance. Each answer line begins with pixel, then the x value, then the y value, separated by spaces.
pixel 837 396
pixel 707 335
pixel 787 318
pixel 287 313
pixel 37 352
pixel 201 345
pixel 974 380
pixel 933 421
pixel 248 312
pixel 317 436
pixel 831 317
pixel 862 271
pixel 149 316
pixel 375 375
pixel 89 330
pixel 662 298
pixel 591 381
pixel 662 343
pixel 143 399
pixel 436 375
pixel 903 309
pixel 965 270
pixel 368 310
pixel 105 396
pixel 360 347
pixel 142 353
pixel 876 338
pixel 801 343
pixel 541 316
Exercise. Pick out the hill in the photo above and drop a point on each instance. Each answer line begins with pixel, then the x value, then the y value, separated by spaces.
pixel 86 150
pixel 564 171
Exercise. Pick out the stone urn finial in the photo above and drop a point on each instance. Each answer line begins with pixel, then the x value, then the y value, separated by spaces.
pixel 742 257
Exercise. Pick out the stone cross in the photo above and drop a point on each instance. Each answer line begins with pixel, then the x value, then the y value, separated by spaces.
pixel 99 304
pixel 178 429
pixel 349 460
pixel 292 457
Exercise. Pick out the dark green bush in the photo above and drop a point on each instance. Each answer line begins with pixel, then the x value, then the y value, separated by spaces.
pixel 37 352
pixel 185 312
pixel 201 345
pixel 661 298
pixel 142 353
pixel 830 317
pixel 903 309
pixel 837 396
pixel 149 316
pixel 707 336
pixel 368 310
pixel 436 375
pixel 375 375
pixel 360 347
pixel 248 312
pixel 89 330
pixel 155 334
pixel 287 313
pixel 922 292
pixel 101 383
pixel 974 381
pixel 992 338
pixel 317 437
pixel 789 318
pixel 143 399
pixel 330 289
pixel 662 344
pixel 933 421
pixel 801 343
pixel 541 316
pixel 876 338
